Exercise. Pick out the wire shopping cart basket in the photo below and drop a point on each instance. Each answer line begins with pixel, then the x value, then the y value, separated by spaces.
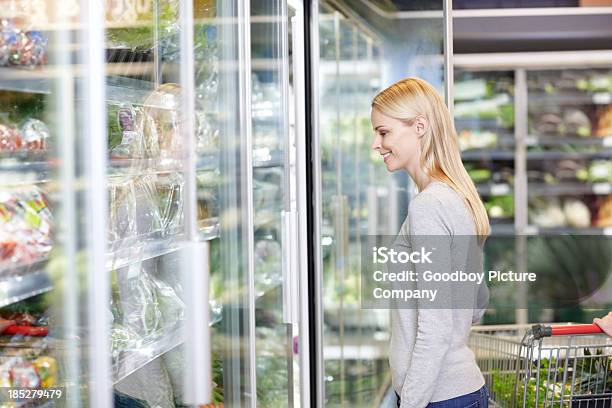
pixel 561 366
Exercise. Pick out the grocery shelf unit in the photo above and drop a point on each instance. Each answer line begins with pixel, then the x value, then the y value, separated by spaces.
pixel 546 176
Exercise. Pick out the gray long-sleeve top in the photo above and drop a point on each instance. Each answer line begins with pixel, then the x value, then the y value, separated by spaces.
pixel 429 357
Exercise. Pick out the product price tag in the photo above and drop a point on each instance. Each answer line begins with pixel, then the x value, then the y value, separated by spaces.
pixel 602 188
pixel 500 189
pixel 602 98
pixel 607 141
pixel 607 231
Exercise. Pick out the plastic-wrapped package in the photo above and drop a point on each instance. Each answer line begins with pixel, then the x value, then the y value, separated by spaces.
pixel 123 339
pixel 26 227
pixel 122 209
pixel 10 139
pixel 170 193
pixel 22 48
pixel 147 216
pixel 132 140
pixel 172 308
pixel 138 301
pixel 162 107
pixel 35 134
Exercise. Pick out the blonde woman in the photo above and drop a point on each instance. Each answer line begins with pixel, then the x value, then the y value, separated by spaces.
pixel 431 364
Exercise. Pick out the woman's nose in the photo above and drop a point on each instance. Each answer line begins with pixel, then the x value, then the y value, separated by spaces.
pixel 376 143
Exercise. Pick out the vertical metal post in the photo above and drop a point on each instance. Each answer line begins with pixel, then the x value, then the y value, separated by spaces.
pixel 319 369
pixel 300 276
pixel 246 162
pixel 520 186
pixel 94 145
pixel 197 381
pixel 448 54
pixel 64 107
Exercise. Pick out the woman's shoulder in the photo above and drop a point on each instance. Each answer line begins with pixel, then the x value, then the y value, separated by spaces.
pixel 437 195
pixel 439 203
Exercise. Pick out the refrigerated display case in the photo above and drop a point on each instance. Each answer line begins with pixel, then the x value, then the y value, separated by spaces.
pixel 145 174
pixel 544 175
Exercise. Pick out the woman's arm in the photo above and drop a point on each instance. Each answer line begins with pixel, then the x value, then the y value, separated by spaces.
pixel 434 319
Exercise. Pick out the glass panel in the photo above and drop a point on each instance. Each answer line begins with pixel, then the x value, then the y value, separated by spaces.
pixel 146 199
pixel 484 118
pixel 221 193
pixel 358 195
pixel 568 159
pixel 271 86
pixel 42 263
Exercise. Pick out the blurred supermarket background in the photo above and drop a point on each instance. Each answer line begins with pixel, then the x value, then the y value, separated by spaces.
pixel 184 185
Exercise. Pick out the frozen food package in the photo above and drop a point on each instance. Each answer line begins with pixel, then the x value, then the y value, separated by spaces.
pixel 46 367
pixel 162 106
pixel 26 227
pixel 170 196
pixel 122 210
pixel 123 339
pixel 35 134
pixel 148 220
pixel 10 138
pixel 171 306
pixel 138 300
pixel 132 137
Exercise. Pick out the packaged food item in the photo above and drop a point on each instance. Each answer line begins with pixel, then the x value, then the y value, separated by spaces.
pixel 122 339
pixel 122 209
pixel 604 213
pixel 148 220
pixel 46 367
pixel 162 106
pixel 577 213
pixel 576 122
pixel 10 139
pixel 132 141
pixel 138 300
pixel 21 48
pixel 170 193
pixel 546 213
pixel 25 376
pixel 604 122
pixel 26 226
pixel 35 134
pixel 171 306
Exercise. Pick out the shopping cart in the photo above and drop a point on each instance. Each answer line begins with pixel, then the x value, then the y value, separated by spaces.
pixel 564 366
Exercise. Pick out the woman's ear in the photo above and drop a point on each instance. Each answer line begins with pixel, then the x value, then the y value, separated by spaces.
pixel 421 125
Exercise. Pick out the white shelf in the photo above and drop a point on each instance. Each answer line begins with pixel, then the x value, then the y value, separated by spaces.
pixel 130 251
pixel 534 60
pixel 570 189
pixel 118 89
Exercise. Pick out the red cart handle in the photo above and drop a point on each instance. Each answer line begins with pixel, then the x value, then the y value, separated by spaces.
pixel 540 331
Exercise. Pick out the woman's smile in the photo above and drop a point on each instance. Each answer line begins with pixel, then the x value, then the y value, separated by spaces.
pixel 386 156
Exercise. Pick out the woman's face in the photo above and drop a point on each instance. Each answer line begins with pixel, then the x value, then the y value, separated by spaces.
pixel 396 141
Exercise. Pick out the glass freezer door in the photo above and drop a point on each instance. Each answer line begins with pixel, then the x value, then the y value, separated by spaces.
pixel 276 126
pixel 362 49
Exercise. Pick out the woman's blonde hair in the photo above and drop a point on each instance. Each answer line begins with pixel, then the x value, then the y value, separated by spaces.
pixel 440 155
